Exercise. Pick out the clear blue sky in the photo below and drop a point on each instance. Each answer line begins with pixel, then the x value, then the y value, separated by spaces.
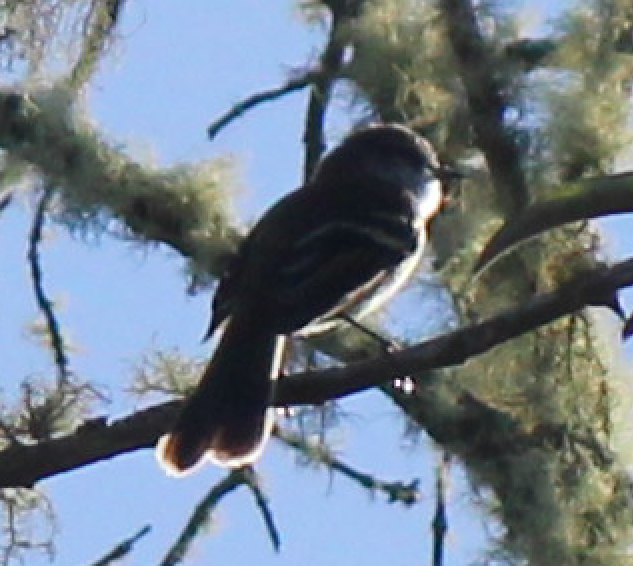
pixel 177 67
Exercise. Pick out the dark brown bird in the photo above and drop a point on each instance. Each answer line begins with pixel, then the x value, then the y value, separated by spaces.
pixel 340 245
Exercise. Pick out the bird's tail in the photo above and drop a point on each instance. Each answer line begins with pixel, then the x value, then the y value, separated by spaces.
pixel 227 418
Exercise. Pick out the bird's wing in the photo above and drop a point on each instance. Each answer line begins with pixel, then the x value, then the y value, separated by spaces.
pixel 227 291
pixel 309 256
pixel 340 259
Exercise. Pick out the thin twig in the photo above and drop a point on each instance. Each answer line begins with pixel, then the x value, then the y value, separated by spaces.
pixel 408 494
pixel 385 344
pixel 440 523
pixel 262 504
pixel 8 433
pixel 331 62
pixel 171 208
pixel 44 304
pixel 487 100
pixel 105 14
pixel 203 512
pixel 201 516
pixel 266 96
pixel 5 199
pixel 123 548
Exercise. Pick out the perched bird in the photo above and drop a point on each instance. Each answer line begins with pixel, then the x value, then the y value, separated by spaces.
pixel 339 246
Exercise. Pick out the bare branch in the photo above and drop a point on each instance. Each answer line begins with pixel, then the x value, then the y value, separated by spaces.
pixel 440 524
pixel 20 537
pixel 408 494
pixel 123 548
pixel 266 96
pixel 44 304
pixel 6 197
pixel 105 14
pixel 202 515
pixel 594 288
pixel 262 504
pixel 485 90
pixel 331 62
pixel 586 198
pixel 95 440
pixel 182 207
pixel 24 465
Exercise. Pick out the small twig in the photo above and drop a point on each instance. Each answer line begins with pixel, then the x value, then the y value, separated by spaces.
pixel 123 548
pixel 440 523
pixel 385 344
pixel 262 503
pixel 201 516
pixel 486 91
pixel 331 62
pixel 44 304
pixel 203 512
pixel 266 96
pixel 9 434
pixel 16 506
pixel 105 14
pixel 5 199
pixel 408 494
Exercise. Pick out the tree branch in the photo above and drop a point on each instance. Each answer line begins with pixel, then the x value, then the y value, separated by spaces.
pixel 407 494
pixel 595 288
pixel 182 207
pixel 331 62
pixel 266 96
pixel 261 501
pixel 24 465
pixel 44 304
pixel 105 14
pixel 201 516
pixel 485 90
pixel 123 548
pixel 586 198
pixel 439 524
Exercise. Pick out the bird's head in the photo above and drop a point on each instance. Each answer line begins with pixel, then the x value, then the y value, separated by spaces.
pixel 389 155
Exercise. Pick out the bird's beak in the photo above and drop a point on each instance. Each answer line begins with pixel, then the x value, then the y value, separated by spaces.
pixel 448 177
pixel 448 174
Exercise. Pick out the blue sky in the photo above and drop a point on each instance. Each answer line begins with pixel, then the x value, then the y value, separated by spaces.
pixel 176 67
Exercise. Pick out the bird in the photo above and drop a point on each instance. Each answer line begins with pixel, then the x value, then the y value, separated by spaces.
pixel 335 249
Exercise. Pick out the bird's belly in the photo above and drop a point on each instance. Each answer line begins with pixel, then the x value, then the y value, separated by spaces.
pixel 369 297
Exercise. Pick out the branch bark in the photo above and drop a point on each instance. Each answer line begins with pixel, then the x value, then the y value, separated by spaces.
pixel 331 62
pixel 587 198
pixel 182 207
pixel 485 90
pixel 247 104
pixel 25 465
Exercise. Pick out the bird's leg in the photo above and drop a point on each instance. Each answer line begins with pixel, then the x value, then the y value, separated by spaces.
pixel 405 384
pixel 387 345
pixel 286 355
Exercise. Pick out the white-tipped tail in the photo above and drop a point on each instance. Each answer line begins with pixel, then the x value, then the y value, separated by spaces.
pixel 227 420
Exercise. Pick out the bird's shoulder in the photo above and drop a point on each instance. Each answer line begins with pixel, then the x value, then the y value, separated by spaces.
pixel 273 233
